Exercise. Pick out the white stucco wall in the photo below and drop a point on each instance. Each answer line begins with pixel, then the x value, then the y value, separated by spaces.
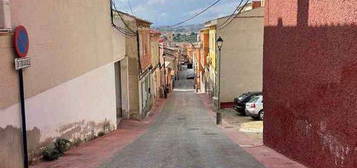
pixel 90 97
pixel 75 109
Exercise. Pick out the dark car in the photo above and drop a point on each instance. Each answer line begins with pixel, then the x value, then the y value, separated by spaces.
pixel 239 102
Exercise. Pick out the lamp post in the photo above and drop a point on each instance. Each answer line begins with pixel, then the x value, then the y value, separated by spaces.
pixel 219 114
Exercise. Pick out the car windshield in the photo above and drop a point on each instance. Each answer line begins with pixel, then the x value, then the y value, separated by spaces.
pixel 242 97
pixel 254 99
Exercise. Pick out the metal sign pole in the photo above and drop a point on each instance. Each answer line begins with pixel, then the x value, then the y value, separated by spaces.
pixel 21 43
pixel 23 117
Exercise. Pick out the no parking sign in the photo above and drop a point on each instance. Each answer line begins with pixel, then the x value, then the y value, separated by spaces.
pixel 21 43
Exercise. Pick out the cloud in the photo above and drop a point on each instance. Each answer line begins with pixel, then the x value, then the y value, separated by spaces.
pixel 168 12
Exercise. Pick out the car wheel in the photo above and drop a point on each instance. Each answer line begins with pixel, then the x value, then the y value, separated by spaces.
pixel 242 113
pixel 261 115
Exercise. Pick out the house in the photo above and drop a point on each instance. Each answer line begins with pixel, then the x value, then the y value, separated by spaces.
pixel 155 59
pixel 71 86
pixel 137 65
pixel 204 68
pixel 170 62
pixel 241 66
pixel 310 81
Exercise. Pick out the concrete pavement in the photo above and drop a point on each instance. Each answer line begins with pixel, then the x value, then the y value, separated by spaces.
pixel 183 136
pixel 179 133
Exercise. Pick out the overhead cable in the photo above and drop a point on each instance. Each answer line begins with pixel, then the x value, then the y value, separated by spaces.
pixel 197 14
pixel 231 18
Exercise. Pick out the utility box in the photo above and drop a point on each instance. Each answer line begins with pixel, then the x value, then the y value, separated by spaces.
pixel 5 15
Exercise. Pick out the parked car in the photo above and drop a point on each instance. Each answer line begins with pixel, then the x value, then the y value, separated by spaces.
pixel 190 76
pixel 254 107
pixel 239 102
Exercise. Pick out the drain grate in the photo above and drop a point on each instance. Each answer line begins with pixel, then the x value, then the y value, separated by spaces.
pixel 181 118
pixel 193 129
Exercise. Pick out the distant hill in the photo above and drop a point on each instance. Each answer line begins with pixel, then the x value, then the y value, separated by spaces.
pixel 181 29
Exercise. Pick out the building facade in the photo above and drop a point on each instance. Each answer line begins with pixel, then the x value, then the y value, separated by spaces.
pixel 310 100
pixel 137 65
pixel 71 86
pixel 155 59
pixel 242 55
pixel 241 62
pixel 210 28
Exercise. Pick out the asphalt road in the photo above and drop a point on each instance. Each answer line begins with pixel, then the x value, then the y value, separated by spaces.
pixel 182 83
pixel 184 136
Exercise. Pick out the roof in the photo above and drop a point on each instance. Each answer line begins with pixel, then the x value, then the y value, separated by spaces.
pixel 136 18
pixel 214 21
pixel 252 12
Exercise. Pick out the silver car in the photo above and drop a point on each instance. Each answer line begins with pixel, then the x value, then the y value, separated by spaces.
pixel 254 107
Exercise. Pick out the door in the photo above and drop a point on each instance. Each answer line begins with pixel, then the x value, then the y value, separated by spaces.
pixel 118 92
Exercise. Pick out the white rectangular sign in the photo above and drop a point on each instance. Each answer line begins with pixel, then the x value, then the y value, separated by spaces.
pixel 22 63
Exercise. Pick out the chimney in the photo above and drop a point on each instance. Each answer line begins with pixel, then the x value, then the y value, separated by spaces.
pixel 256 4
pixel 5 18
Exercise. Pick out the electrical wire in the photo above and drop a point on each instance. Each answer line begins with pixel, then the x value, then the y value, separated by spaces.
pixel 232 18
pixel 127 31
pixel 234 12
pixel 197 14
pixel 131 9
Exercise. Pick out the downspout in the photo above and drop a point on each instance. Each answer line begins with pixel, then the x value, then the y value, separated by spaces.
pixel 138 49
pixel 111 12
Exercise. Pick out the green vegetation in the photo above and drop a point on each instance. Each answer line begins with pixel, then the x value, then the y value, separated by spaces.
pixel 56 149
pixel 191 38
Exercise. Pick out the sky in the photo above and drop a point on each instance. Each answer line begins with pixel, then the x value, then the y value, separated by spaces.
pixel 169 12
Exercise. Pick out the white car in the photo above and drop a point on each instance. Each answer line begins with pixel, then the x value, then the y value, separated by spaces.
pixel 254 108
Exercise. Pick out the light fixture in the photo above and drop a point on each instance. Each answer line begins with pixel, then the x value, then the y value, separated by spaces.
pixel 220 42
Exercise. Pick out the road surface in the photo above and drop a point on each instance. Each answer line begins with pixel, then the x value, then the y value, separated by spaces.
pixel 184 136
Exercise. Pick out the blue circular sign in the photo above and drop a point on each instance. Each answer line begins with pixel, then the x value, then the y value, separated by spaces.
pixel 21 41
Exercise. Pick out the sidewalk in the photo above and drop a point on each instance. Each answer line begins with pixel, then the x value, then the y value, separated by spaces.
pixel 92 154
pixel 265 155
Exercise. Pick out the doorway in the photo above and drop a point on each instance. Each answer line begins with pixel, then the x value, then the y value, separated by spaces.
pixel 118 91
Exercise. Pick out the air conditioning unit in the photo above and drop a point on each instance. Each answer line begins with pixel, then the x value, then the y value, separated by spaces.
pixel 5 15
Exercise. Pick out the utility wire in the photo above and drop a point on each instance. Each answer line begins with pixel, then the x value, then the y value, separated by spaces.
pixel 131 9
pixel 234 12
pixel 233 16
pixel 123 31
pixel 131 31
pixel 197 14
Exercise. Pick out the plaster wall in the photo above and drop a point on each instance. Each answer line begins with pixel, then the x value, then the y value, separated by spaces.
pixel 242 54
pixel 70 88
pixel 66 41
pixel 76 109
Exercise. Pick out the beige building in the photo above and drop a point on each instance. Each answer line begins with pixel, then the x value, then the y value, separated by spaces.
pixel 242 54
pixel 137 66
pixel 71 88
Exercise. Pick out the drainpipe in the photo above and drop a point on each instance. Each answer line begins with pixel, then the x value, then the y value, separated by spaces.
pixel 138 48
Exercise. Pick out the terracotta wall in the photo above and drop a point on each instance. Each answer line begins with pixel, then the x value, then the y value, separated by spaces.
pixel 310 93
pixel 145 48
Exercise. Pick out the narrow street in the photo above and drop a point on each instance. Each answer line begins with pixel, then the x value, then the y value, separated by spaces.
pixel 183 136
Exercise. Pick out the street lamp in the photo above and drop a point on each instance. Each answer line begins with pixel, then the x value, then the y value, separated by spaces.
pixel 220 43
pixel 219 114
